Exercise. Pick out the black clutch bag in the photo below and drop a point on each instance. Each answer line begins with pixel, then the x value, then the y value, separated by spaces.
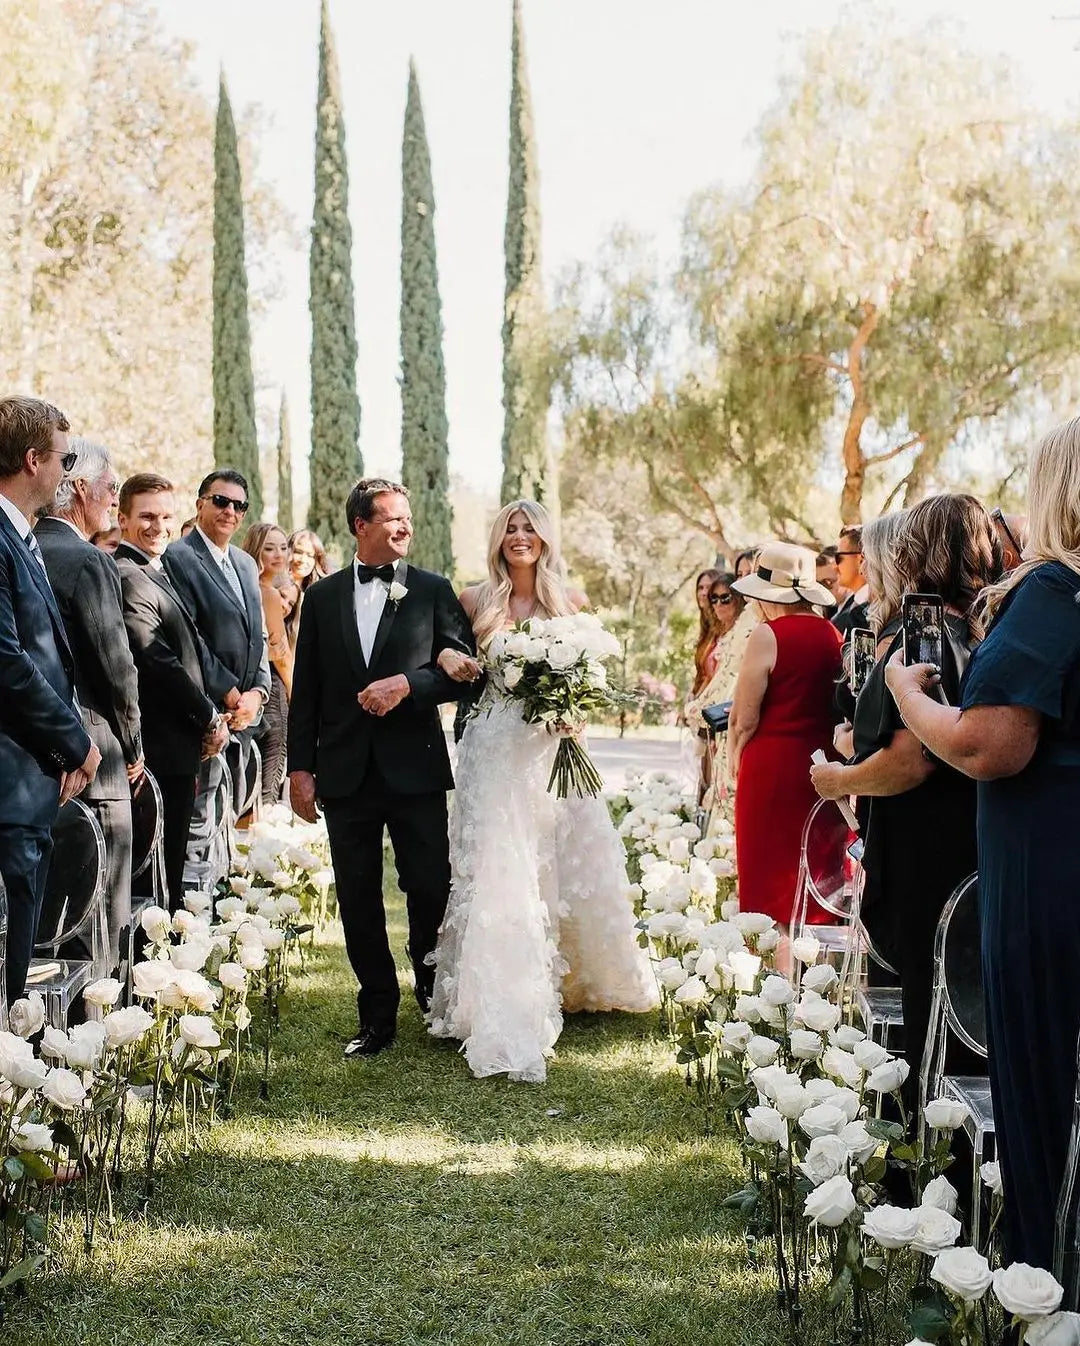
pixel 716 717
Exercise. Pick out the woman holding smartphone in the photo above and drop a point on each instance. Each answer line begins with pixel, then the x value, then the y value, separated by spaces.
pixel 1017 732
pixel 919 828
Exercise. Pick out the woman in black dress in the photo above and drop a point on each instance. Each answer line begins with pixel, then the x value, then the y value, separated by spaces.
pixel 1018 734
pixel 920 828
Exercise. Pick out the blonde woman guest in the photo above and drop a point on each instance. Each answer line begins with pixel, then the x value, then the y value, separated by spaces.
pixel 270 548
pixel 1017 733
pixel 539 921
pixel 725 608
pixel 782 713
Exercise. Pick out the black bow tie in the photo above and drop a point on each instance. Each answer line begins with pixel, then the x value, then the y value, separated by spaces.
pixel 365 574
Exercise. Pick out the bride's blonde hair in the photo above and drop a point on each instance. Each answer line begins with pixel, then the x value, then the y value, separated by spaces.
pixel 493 600
pixel 1053 513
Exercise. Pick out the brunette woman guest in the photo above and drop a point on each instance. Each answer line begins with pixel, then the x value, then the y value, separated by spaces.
pixel 705 649
pixel 1017 733
pixel 270 548
pixel 308 563
pixel 919 828
pixel 782 713
pixel 725 608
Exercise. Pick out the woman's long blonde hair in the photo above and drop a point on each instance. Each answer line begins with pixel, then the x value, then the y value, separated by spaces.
pixel 882 573
pixel 493 601
pixel 1053 513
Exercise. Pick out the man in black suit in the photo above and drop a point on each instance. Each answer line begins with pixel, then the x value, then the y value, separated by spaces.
pixel 851 576
pixel 181 722
pixel 219 585
pixel 365 741
pixel 87 587
pixel 46 756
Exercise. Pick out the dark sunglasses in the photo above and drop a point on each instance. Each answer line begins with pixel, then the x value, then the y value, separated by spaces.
pixel 847 553
pixel 224 501
pixel 999 518
pixel 68 459
pixel 723 599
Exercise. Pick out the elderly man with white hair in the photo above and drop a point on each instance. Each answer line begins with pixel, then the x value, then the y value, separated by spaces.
pixel 86 583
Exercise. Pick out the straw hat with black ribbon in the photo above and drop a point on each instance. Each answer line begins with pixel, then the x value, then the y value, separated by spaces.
pixel 785 574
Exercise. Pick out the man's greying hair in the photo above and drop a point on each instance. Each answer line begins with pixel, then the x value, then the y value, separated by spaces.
pixel 93 460
pixel 26 423
pixel 361 501
pixel 229 474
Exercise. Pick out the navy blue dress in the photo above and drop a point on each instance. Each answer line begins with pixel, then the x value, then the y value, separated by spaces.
pixel 1029 889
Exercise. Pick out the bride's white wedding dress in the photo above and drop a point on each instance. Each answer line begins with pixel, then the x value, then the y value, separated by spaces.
pixel 538 920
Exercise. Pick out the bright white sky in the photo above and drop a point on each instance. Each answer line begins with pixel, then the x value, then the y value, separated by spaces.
pixel 638 103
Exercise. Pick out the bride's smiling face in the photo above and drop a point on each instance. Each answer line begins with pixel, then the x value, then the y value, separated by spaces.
pixel 522 545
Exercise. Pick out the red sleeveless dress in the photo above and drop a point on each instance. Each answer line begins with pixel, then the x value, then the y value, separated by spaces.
pixel 773 794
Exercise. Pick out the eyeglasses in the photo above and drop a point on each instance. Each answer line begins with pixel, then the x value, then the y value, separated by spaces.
pixel 225 501
pixel 998 517
pixel 722 599
pixel 847 553
pixel 68 457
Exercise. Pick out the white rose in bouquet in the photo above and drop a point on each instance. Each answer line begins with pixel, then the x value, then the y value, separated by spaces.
pixel 860 1143
pixel 1056 1329
pixel 762 1051
pixel 187 924
pixel 517 645
pixel 31 1136
pixel 190 956
pixel 252 957
pixel 27 1016
pixel 272 940
pixel 765 1124
pixel 288 905
pixel 751 923
pixel 847 1100
pixel 125 1026
pixel 562 654
pixel 964 1272
pixel 847 1036
pixel 767 1079
pixel 806 949
pixel 820 978
pixel 821 1091
pixel 197 902
pixel 238 883
pixel 705 967
pixel 198 1031
pixel 891 1227
pixel 841 1066
pixel 728 910
pixel 805 1044
pixel 187 989
pixel 938 1230
pixel 887 1078
pixel 869 1055
pixel 1026 1292
pixel 22 1068
pixel 104 993
pixel 941 1193
pixel 817 1014
pixel 54 1044
pixel 670 973
pixel 693 992
pixel 157 924
pixel 535 651
pixel 768 941
pixel 86 1042
pixel 63 1089
pixel 735 1035
pixel 823 1119
pixel 791 1099
pixel 150 978
pixel 679 850
pixel 745 966
pixel 748 1008
pixel 831 1203
pixel 232 976
pixel 229 907
pixel 990 1174
pixel 945 1114
pixel 268 909
pixel 825 1158
pixel 776 991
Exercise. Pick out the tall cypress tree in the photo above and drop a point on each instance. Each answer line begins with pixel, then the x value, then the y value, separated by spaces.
pixel 424 452
pixel 284 468
pixel 528 463
pixel 236 442
pixel 335 407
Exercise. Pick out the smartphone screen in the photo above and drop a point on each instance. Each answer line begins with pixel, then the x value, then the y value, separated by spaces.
pixel 923 617
pixel 862 655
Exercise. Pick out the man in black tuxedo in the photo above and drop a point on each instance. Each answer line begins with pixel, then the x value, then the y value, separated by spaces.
pixel 853 611
pixel 365 741
pixel 46 756
pixel 87 587
pixel 219 585
pixel 181 722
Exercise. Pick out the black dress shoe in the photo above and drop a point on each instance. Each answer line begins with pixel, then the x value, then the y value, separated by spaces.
pixel 370 1043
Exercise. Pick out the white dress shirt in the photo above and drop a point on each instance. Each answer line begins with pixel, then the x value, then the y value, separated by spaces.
pixel 19 521
pixel 369 600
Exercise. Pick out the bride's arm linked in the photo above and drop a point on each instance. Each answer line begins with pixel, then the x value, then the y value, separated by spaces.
pixel 459 666
pixel 433 683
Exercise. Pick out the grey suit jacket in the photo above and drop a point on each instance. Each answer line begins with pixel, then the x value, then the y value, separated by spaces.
pixel 87 588
pixel 232 631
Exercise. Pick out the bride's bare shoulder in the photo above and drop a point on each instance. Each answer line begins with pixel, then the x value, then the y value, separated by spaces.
pixel 469 597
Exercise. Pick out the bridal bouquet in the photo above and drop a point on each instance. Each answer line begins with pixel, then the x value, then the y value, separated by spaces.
pixel 555 667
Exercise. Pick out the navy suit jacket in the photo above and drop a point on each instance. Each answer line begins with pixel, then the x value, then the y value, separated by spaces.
pixel 41 734
pixel 231 630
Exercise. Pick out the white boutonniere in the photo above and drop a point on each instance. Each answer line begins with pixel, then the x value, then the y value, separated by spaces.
pixel 397 592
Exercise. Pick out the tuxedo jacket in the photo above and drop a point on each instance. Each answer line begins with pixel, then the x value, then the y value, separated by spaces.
pixel 87 588
pixel 41 734
pixel 169 655
pixel 232 630
pixel 329 734
pixel 850 615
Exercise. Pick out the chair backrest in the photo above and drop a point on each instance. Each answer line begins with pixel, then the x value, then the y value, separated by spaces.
pixel 958 960
pixel 826 869
pixel 252 777
pixel 76 883
pixel 147 823
pixel 3 954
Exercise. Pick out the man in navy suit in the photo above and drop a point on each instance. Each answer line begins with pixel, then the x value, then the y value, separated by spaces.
pixel 46 756
pixel 219 585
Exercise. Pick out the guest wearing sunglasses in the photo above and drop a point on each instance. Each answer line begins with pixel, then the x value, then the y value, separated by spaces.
pixel 1012 534
pixel 724 607
pixel 851 589
pixel 219 584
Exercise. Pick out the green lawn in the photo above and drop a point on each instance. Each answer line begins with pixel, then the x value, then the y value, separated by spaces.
pixel 400 1201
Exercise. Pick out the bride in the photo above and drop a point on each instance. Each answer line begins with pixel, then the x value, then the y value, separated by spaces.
pixel 538 920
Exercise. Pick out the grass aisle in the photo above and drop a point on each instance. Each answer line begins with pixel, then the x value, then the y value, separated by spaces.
pixel 399 1201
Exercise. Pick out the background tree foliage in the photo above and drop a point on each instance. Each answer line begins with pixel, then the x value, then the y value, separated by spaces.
pixel 424 429
pixel 106 199
pixel 284 468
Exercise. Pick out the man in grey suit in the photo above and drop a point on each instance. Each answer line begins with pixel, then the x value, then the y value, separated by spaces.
pixel 87 587
pixel 219 585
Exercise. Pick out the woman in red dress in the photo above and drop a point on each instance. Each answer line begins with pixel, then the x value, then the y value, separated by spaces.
pixel 783 712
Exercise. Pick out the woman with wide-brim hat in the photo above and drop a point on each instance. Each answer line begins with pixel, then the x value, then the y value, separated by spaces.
pixel 782 713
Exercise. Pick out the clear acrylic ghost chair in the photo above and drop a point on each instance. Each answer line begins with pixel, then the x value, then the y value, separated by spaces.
pixel 825 877
pixel 72 947
pixel 149 886
pixel 1067 1226
pixel 223 821
pixel 3 954
pixel 880 1008
pixel 252 782
pixel 958 1010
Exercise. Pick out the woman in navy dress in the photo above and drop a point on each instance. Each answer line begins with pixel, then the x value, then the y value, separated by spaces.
pixel 1018 734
